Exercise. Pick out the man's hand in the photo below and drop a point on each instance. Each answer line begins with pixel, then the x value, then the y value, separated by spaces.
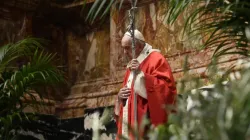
pixel 135 65
pixel 124 93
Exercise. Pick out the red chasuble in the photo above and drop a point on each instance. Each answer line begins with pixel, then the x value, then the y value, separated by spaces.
pixel 157 81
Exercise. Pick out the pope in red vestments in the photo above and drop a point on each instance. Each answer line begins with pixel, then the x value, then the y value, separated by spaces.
pixel 152 82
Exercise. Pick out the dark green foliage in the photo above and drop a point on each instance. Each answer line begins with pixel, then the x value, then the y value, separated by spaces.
pixel 222 24
pixel 19 81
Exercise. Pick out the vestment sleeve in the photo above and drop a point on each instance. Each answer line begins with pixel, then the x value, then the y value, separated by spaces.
pixel 118 105
pixel 160 87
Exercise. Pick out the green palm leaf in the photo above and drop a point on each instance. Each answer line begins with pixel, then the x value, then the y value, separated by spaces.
pixel 11 52
pixel 222 21
pixel 20 84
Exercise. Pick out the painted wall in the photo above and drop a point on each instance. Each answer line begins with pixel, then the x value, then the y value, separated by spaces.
pixel 94 65
pixel 88 55
pixel 96 61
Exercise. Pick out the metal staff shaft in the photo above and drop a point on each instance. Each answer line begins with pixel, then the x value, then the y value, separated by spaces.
pixel 132 16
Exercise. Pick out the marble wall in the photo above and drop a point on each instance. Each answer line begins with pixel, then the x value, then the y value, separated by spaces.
pixel 16 29
pixel 151 21
pixel 96 64
pixel 169 38
pixel 94 61
pixel 88 55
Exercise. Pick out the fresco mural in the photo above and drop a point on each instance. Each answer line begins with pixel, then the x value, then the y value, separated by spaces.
pixel 88 55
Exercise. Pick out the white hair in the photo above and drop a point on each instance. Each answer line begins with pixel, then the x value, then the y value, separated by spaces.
pixel 138 35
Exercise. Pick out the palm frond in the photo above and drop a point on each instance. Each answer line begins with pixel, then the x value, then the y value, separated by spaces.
pixel 100 8
pixel 107 8
pixel 38 72
pixel 16 84
pixel 11 52
pixel 220 23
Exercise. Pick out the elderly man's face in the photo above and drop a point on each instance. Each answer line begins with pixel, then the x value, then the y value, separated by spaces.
pixel 127 47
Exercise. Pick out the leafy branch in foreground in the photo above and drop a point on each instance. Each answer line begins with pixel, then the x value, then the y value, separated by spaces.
pixel 218 111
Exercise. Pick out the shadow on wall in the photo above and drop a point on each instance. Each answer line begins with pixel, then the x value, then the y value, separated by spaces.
pixel 47 127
